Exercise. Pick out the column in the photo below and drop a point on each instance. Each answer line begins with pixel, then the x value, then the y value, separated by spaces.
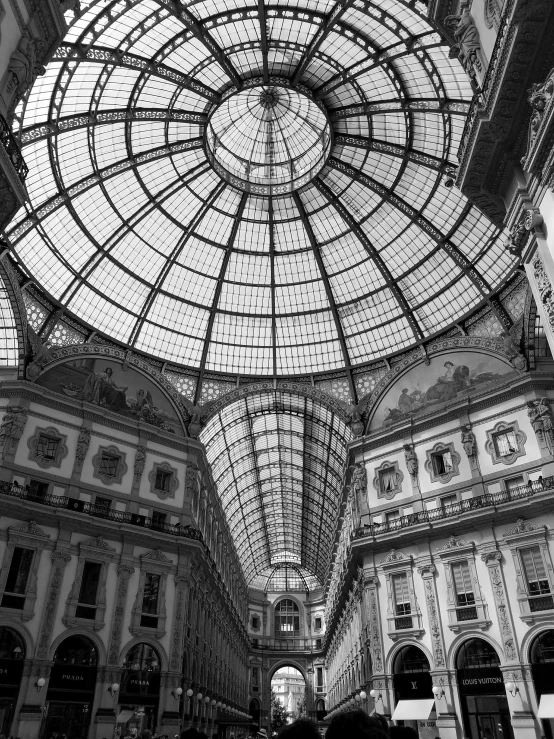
pixel 371 607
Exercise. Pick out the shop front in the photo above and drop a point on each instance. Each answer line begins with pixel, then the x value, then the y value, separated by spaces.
pixel 12 656
pixel 71 690
pixel 542 668
pixel 413 691
pixel 139 695
pixel 485 710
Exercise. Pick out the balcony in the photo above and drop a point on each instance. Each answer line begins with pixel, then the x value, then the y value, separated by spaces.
pixel 403 622
pixel 469 613
pixel 287 645
pixel 12 150
pixel 489 500
pixel 97 511
pixel 541 603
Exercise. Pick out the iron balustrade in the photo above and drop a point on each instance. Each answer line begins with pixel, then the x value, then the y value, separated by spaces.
pixel 488 500
pixel 468 613
pixel 541 603
pixel 292 645
pixel 9 143
pixel 403 622
pixel 98 511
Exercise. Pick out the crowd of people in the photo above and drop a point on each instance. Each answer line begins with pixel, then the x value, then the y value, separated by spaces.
pixel 347 725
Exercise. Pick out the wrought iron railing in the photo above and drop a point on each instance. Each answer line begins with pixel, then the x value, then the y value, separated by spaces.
pixel 282 645
pixel 468 613
pixel 403 622
pixel 8 141
pixel 97 511
pixel 488 500
pixel 541 603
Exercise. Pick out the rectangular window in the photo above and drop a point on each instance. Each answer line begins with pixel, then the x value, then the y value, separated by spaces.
pixel 104 503
pixel 254 676
pixel 163 481
pixel 47 446
pixel 18 578
pixel 505 443
pixel 159 519
pixel 149 616
pixel 462 584
pixel 442 462
pixel 255 622
pixel 108 465
pixel 391 516
pixel 318 622
pixel 88 592
pixel 448 500
pixel 320 678
pixel 535 571
pixel 401 594
pixel 37 489
pixel 513 483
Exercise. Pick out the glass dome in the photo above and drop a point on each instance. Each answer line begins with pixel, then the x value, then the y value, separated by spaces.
pixel 253 189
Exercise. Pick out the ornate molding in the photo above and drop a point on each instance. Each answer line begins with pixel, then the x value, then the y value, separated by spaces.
pixel 522 527
pixel 430 464
pixel 491 448
pixel 173 480
pixel 454 543
pixel 538 157
pixel 60 452
pixel 121 466
pixel 394 478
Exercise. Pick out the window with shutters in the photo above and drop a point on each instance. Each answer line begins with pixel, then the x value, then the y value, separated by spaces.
pixel 403 612
pixel 287 619
pixel 538 585
pixel 401 595
pixel 47 447
pixel 150 598
pixel 465 597
pixel 505 442
pixel 88 592
pixel 17 581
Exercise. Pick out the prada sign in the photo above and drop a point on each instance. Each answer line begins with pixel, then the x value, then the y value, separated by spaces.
pixel 482 681
pixel 141 683
pixel 11 671
pixel 72 677
pixel 413 685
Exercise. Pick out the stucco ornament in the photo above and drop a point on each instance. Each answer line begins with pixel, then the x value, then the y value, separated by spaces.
pixel 512 350
pixel 41 354
pixel 468 44
pixel 24 64
pixel 541 419
pixel 13 423
pixel 411 459
pixel 468 441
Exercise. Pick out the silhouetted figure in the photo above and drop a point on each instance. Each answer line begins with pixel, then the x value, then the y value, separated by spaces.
pixel 356 725
pixel 302 728
pixel 402 732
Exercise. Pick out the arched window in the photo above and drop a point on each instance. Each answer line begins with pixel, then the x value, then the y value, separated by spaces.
pixel 12 645
pixel 77 650
pixel 475 654
pixel 142 657
pixel 287 619
pixel 542 649
pixel 410 659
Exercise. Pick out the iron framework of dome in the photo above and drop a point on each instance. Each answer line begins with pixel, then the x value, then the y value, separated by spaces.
pixel 132 231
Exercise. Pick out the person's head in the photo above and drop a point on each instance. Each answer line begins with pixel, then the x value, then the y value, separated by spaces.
pixel 302 728
pixel 203 735
pixel 402 732
pixel 355 725
pixel 109 371
pixel 146 734
pixel 189 734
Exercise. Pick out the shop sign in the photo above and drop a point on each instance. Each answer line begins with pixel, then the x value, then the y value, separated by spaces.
pixel 141 683
pixel 72 677
pixel 413 685
pixel 481 681
pixel 11 671
pixel 427 729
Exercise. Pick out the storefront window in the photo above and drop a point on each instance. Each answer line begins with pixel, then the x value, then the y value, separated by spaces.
pixel 12 654
pixel 140 690
pixel 542 667
pixel 413 690
pixel 485 710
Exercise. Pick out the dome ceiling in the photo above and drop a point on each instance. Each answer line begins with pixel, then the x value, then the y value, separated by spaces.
pixel 253 188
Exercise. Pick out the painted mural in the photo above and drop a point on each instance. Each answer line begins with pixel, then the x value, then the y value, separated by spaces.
pixel 107 384
pixel 448 376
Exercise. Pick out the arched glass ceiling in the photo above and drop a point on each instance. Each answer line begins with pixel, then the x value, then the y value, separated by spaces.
pixel 285 579
pixel 131 229
pixel 277 459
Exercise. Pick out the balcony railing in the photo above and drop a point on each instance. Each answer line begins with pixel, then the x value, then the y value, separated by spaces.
pixel 97 511
pixel 488 500
pixel 468 613
pixel 287 645
pixel 541 603
pixel 12 149
pixel 403 622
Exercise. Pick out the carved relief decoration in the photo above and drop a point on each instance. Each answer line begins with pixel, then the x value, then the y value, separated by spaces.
pixel 124 572
pixel 540 417
pixel 83 443
pixel 491 445
pixel 388 480
pixel 173 482
pixel 120 468
pixel 492 559
pixel 60 557
pixel 544 287
pixel 430 464
pixel 11 428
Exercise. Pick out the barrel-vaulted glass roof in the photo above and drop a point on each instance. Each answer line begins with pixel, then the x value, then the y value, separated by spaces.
pixel 333 242
pixel 278 461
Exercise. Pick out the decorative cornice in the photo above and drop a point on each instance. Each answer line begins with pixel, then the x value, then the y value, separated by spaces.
pixel 28 529
pixel 454 543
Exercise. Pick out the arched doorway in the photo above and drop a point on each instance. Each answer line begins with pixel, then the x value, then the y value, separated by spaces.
pixel 413 687
pixel 485 710
pixel 254 711
pixel 12 655
pixel 541 656
pixel 139 694
pixel 288 696
pixel 71 689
